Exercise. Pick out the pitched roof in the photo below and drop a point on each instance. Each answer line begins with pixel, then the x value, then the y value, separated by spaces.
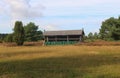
pixel 63 32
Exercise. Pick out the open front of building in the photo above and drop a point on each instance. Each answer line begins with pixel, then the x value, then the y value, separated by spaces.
pixel 63 37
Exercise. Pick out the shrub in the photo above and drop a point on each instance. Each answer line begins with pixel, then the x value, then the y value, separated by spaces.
pixel 9 38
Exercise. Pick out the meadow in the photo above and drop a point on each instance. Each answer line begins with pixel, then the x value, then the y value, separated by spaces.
pixel 60 62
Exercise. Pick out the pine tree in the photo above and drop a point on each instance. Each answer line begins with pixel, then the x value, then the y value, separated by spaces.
pixel 32 33
pixel 19 33
pixel 110 29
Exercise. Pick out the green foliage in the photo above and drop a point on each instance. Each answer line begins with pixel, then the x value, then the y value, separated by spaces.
pixel 19 33
pixel 90 35
pixel 96 35
pixel 2 37
pixel 32 33
pixel 9 38
pixel 116 30
pixel 110 29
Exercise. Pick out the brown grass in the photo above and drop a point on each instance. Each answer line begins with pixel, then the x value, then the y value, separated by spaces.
pixel 101 43
pixel 40 43
pixel 95 43
pixel 60 62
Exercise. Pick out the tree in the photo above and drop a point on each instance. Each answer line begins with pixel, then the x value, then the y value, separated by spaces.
pixel 90 35
pixel 32 33
pixel 2 37
pixel 110 29
pixel 116 30
pixel 19 33
pixel 96 35
pixel 9 38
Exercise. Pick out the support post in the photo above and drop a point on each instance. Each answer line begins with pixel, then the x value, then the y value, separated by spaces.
pixel 80 39
pixel 56 38
pixel 67 38
pixel 47 39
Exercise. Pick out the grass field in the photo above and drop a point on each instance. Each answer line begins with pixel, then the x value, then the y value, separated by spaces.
pixel 60 62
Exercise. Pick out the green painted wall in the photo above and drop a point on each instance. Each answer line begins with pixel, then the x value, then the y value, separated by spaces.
pixel 60 43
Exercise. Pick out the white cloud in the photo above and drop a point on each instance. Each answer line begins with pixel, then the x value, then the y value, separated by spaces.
pixel 20 9
pixel 59 14
pixel 90 13
pixel 50 27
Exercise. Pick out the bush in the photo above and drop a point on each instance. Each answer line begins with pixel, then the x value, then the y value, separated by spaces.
pixel 9 38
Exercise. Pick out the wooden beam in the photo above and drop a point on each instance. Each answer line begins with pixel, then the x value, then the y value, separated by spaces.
pixel 67 38
pixel 47 39
pixel 80 38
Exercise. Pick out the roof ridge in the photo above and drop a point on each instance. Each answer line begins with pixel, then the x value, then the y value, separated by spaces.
pixel 63 30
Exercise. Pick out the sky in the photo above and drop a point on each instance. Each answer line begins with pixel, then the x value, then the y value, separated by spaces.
pixel 55 15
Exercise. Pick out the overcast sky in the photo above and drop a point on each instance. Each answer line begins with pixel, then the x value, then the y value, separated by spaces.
pixel 58 14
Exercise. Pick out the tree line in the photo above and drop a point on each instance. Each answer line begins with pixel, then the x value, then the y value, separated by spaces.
pixel 22 33
pixel 110 30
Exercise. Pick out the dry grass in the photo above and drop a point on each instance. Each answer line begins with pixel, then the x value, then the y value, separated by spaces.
pixel 101 43
pixel 13 44
pixel 54 51
pixel 60 62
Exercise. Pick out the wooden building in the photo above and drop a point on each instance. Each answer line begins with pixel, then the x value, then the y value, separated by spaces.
pixel 63 36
